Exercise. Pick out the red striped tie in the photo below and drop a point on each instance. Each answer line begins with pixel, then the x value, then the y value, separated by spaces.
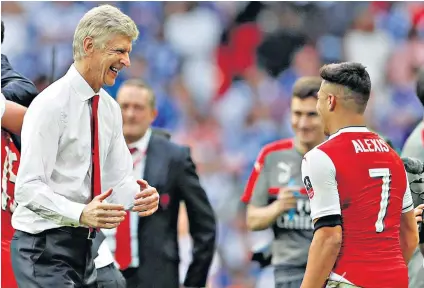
pixel 123 239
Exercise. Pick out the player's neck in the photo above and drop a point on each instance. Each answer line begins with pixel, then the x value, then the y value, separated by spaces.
pixel 347 121
pixel 304 148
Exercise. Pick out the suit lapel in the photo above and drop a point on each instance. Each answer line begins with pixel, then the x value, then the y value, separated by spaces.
pixel 153 161
pixel 155 170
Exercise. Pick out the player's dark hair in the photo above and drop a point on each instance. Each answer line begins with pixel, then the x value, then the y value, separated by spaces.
pixel 420 85
pixel 306 87
pixel 352 76
pixel 2 31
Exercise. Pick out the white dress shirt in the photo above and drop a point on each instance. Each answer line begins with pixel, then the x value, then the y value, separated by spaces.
pixel 108 247
pixel 53 184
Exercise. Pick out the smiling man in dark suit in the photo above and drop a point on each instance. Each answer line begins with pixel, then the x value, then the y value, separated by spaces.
pixel 146 250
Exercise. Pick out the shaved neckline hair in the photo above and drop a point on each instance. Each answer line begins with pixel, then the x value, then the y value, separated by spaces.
pixel 351 82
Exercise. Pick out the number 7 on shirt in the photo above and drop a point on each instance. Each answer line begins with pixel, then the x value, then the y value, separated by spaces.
pixel 383 173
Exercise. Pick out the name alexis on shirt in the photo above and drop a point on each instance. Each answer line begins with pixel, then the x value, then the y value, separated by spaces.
pixel 370 145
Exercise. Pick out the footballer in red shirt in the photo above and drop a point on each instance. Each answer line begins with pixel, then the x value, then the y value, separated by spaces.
pixel 364 226
pixel 12 117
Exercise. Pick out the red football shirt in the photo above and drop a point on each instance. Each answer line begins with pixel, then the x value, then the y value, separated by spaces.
pixel 9 168
pixel 357 175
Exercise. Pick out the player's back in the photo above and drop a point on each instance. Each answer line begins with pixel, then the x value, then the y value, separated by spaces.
pixel 371 182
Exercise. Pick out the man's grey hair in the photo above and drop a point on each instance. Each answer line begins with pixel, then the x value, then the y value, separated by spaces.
pixel 101 23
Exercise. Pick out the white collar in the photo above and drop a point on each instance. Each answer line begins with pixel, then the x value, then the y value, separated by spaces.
pixel 142 143
pixel 348 129
pixel 80 85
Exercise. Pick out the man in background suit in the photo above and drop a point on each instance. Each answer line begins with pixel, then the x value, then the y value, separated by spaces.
pixel 146 250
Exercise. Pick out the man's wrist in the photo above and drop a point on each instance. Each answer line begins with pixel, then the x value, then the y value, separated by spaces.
pixel 278 208
pixel 81 217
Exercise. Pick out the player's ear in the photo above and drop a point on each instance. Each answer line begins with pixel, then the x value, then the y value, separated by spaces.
pixel 331 102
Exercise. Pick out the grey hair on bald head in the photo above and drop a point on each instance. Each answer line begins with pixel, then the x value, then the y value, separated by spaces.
pixel 100 23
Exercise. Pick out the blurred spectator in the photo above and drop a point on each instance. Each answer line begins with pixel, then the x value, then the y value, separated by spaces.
pixel 185 24
pixel 364 37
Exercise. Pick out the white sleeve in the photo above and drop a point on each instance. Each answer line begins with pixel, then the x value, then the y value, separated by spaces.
pixel 408 204
pixel 319 178
pixel 2 104
pixel 40 135
pixel 118 169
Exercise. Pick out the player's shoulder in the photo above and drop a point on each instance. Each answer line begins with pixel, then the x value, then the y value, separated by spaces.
pixel 317 157
pixel 276 146
pixel 333 142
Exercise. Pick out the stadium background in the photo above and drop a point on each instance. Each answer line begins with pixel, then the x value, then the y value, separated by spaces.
pixel 223 71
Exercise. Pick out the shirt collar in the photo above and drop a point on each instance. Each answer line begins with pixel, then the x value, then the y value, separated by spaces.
pixel 354 129
pixel 142 143
pixel 80 85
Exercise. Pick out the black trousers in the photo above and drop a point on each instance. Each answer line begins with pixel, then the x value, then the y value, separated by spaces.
pixel 156 273
pixel 54 258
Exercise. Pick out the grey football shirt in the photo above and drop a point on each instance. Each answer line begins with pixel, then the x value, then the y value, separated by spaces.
pixel 278 166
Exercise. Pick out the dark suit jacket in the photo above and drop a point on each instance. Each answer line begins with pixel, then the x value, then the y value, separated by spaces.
pixel 16 88
pixel 170 169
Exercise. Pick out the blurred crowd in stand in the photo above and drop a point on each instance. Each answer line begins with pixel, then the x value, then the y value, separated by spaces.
pixel 223 73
